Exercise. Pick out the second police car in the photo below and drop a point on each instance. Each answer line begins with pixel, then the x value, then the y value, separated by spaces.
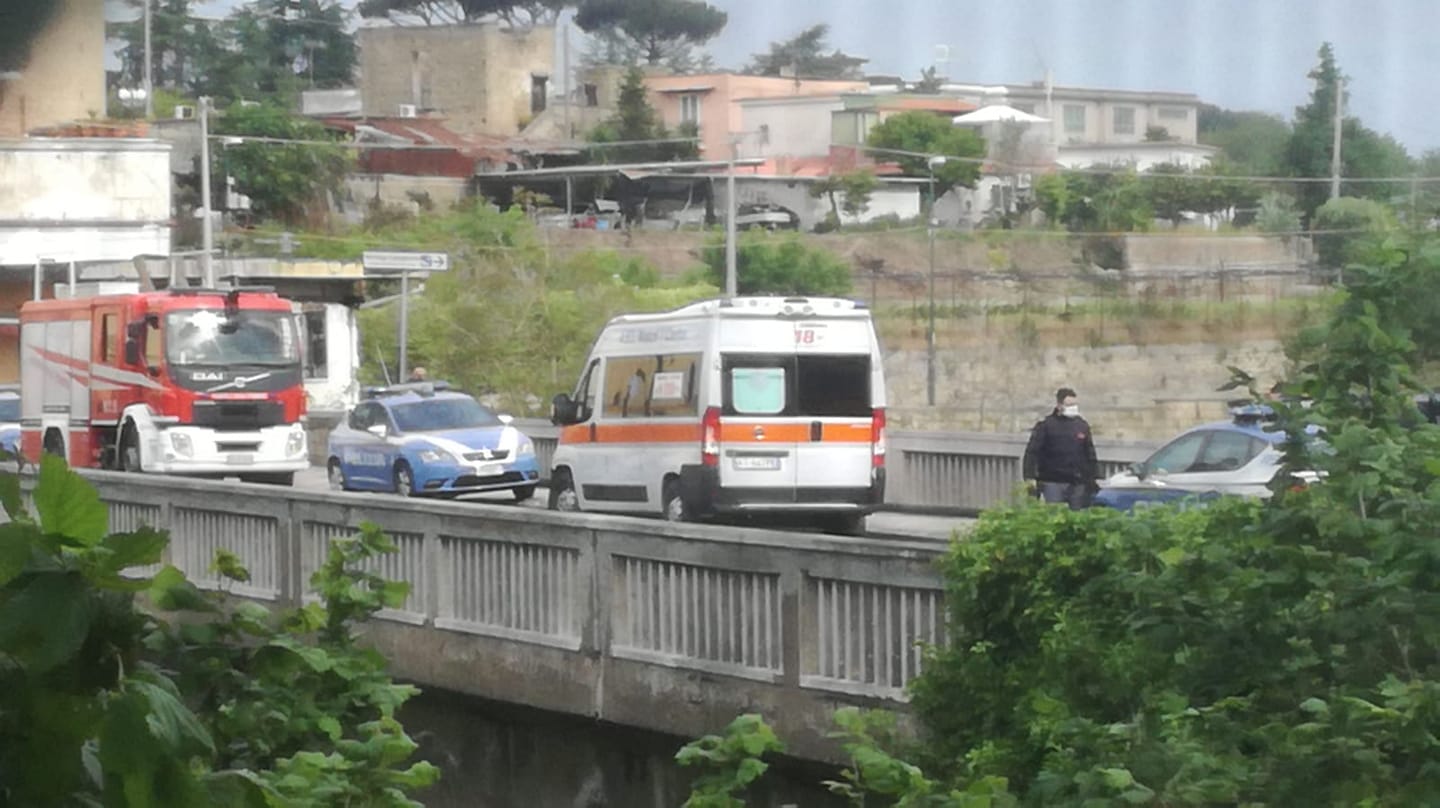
pixel 427 440
pixel 1238 457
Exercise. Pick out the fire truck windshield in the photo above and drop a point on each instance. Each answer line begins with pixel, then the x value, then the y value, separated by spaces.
pixel 208 337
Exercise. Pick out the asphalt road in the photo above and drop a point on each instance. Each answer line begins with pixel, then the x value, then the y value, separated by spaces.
pixel 933 528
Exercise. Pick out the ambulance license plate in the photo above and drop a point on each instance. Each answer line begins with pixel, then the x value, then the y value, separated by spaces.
pixel 245 459
pixel 757 464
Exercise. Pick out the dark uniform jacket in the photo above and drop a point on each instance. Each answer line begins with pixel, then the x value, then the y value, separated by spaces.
pixel 1061 450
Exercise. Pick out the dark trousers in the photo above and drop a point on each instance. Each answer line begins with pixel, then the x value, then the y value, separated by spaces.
pixel 1076 495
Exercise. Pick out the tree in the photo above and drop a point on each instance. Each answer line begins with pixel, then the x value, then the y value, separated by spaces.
pixel 654 26
pixel 24 20
pixel 930 134
pixel 263 51
pixel 105 702
pixel 806 54
pixel 1254 142
pixel 930 83
pixel 1277 214
pixel 1344 227
pixel 286 181
pixel 854 188
pixel 448 12
pixel 636 120
pixel 1363 152
pixel 767 264
pixel 178 45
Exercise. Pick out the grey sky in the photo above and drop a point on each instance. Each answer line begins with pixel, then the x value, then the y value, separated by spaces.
pixel 1249 54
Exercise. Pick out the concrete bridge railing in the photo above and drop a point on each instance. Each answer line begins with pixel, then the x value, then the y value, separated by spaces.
pixel 942 472
pixel 672 628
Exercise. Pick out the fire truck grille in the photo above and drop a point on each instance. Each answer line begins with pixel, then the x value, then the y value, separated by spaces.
pixel 238 416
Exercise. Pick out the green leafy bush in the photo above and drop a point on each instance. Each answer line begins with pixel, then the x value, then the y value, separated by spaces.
pixel 1344 225
pixel 771 264
pixel 103 702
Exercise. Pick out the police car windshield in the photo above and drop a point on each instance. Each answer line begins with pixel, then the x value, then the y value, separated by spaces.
pixel 439 414
pixel 9 410
pixel 205 337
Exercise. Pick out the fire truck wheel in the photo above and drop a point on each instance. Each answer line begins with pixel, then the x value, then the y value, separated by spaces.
pixel 404 480
pixel 54 443
pixel 128 457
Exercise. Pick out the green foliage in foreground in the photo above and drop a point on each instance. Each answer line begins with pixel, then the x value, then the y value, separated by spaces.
pixel 770 264
pixel 1275 653
pixel 103 702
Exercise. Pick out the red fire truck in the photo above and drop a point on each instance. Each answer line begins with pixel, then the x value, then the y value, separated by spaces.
pixel 190 381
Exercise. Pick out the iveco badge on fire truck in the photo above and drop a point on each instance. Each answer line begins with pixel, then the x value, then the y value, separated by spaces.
pixel 189 381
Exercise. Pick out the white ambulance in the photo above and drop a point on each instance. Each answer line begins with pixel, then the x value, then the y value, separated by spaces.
pixel 770 406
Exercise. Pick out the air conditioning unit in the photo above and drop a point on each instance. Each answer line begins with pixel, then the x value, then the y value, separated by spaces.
pixel 409 111
pixel 184 112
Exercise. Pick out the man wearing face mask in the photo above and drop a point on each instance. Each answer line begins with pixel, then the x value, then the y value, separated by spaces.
pixel 1060 457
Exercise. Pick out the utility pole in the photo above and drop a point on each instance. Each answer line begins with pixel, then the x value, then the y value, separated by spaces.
pixel 930 332
pixel 569 94
pixel 206 224
pixel 1335 140
pixel 149 80
pixel 404 325
pixel 731 211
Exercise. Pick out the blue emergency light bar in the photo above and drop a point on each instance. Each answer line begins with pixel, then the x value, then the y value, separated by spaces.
pixel 424 389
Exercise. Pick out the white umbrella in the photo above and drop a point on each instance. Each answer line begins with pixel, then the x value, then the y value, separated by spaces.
pixel 996 113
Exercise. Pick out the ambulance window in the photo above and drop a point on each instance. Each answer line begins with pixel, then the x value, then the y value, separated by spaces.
pixel 656 386
pixel 757 391
pixel 833 386
pixel 586 394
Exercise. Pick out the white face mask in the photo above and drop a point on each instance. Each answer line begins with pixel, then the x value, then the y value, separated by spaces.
pixel 1071 411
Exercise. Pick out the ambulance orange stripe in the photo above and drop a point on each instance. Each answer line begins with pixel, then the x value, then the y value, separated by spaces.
pixel 729 433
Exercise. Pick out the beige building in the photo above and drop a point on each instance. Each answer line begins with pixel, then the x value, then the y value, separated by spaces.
pixel 712 102
pixel 483 78
pixel 65 78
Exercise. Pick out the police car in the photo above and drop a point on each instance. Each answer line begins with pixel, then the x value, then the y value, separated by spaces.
pixel 1238 457
pixel 9 422
pixel 428 440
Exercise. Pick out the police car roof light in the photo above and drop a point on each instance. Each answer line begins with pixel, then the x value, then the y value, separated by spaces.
pixel 423 389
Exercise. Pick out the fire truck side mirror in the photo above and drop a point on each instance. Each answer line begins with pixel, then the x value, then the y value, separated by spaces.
pixel 132 351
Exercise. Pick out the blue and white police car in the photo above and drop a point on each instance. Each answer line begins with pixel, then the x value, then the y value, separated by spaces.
pixel 426 440
pixel 1238 457
pixel 10 422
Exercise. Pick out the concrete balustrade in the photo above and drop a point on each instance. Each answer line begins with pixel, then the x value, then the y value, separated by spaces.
pixel 673 628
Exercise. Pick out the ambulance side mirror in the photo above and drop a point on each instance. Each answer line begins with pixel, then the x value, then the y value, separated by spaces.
pixel 562 410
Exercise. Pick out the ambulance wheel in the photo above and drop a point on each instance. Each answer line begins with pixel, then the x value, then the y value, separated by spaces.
pixel 404 479
pixel 523 493
pixel 128 457
pixel 562 492
pixel 675 510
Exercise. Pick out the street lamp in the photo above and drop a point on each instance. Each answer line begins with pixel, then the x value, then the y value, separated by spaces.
pixel 930 222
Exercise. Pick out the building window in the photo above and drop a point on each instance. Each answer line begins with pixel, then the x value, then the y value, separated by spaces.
pixel 1074 119
pixel 690 108
pixel 1124 121
pixel 1174 114
pixel 316 348
pixel 538 93
pixel 592 95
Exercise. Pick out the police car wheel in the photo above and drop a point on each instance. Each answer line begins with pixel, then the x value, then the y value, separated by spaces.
pixel 562 492
pixel 404 480
pixel 336 475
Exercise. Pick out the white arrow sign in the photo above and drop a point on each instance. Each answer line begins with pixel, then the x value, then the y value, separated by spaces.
pixel 406 261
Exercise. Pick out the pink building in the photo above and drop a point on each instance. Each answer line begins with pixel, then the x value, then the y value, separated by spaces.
pixel 711 101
